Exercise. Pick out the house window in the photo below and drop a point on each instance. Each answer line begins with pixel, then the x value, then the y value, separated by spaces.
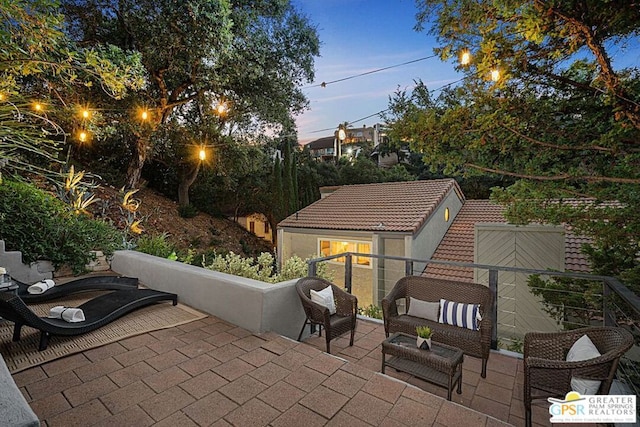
pixel 252 227
pixel 333 247
pixel 266 228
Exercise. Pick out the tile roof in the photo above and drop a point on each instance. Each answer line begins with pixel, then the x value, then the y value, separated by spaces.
pixel 458 242
pixel 391 206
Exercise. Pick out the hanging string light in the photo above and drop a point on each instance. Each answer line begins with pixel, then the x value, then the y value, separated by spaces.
pixel 465 58
pixel 221 108
pixel 83 136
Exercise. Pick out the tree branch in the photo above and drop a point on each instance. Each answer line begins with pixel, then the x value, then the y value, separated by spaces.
pixel 611 80
pixel 560 177
pixel 555 146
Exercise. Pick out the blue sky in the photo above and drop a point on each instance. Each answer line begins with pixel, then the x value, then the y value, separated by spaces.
pixel 359 36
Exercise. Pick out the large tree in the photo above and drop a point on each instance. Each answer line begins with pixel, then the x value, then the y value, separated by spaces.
pixel 562 119
pixel 250 55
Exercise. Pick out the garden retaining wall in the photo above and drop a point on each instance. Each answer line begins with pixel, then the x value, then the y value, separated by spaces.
pixel 251 304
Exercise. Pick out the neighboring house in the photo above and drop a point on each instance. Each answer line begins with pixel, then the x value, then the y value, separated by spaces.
pixel 480 234
pixel 323 149
pixel 257 224
pixel 404 219
pixel 327 148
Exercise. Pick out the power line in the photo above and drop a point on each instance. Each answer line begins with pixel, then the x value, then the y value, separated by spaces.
pixel 387 109
pixel 324 84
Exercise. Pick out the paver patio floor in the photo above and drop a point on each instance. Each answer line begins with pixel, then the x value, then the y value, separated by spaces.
pixel 210 372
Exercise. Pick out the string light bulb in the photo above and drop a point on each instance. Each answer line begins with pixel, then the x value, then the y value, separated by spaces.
pixel 37 106
pixel 202 155
pixel 495 75
pixel 83 136
pixel 85 114
pixel 144 114
pixel 221 108
pixel 465 58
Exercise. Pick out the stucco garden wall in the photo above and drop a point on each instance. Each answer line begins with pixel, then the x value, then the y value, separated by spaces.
pixel 251 304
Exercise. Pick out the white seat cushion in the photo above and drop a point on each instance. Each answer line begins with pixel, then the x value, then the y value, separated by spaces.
pixel 583 349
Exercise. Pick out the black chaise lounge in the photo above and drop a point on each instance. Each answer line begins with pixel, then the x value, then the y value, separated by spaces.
pixel 89 283
pixel 98 312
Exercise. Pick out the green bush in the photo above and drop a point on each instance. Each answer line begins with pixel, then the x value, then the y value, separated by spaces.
pixel 187 211
pixel 157 245
pixel 373 311
pixel 263 267
pixel 43 228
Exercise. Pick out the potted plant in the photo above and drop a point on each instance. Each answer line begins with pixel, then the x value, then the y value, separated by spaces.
pixel 423 340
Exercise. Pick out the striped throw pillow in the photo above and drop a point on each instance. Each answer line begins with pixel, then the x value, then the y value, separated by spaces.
pixel 459 314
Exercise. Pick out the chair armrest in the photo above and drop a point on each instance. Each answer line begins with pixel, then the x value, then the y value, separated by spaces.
pixel 389 302
pixel 346 303
pixel 539 362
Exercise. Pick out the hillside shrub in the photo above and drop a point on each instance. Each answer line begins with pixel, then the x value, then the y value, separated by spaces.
pixel 187 211
pixel 157 245
pixel 43 228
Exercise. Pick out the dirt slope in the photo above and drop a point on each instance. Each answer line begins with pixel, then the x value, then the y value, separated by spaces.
pixel 161 216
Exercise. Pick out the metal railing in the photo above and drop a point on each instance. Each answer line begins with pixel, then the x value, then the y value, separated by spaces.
pixel 611 304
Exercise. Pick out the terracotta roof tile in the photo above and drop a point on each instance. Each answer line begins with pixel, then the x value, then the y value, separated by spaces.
pixel 458 242
pixel 391 206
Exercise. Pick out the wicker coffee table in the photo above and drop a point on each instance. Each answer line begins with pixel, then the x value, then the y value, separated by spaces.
pixel 442 365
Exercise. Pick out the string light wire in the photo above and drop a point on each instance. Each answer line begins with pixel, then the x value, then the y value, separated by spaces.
pixel 366 73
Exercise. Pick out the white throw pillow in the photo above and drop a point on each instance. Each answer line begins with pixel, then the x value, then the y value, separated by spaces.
pixel 424 309
pixel 324 298
pixel 583 349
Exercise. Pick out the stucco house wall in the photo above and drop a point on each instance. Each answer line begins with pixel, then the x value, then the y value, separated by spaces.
pixel 398 219
pixel 304 244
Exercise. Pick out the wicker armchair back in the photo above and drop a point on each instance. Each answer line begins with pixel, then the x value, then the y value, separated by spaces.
pixel 548 374
pixel 472 343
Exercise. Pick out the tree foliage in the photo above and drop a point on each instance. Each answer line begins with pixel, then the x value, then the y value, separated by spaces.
pixel 38 62
pixel 562 120
pixel 250 56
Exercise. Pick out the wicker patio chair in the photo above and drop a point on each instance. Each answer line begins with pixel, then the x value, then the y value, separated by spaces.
pixel 344 319
pixel 548 374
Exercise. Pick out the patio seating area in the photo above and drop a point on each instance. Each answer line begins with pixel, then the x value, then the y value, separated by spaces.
pixel 210 372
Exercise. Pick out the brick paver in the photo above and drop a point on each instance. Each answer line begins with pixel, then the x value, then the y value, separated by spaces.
pixel 212 373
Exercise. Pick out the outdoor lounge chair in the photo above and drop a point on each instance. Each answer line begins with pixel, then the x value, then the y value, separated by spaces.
pixel 344 319
pixel 89 283
pixel 98 312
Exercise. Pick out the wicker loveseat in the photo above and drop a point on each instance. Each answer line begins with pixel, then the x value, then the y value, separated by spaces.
pixel 472 343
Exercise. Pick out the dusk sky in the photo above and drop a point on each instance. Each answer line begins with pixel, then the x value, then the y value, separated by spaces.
pixel 358 36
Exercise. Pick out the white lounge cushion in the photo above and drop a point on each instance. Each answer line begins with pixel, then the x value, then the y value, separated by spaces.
pixel 423 309
pixel 324 298
pixel 460 314
pixel 583 349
